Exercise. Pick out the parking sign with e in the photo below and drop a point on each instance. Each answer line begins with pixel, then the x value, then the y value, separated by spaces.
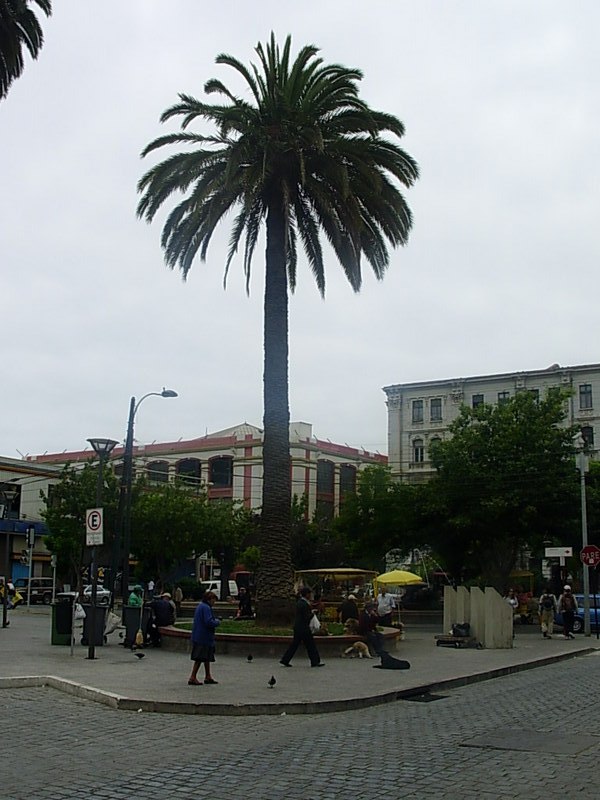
pixel 94 526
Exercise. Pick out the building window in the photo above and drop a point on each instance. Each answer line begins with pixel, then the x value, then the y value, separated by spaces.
pixel 585 395
pixel 588 436
pixel 158 471
pixel 535 393
pixel 417 411
pixel 435 409
pixel 325 477
pixel 477 400
pixel 418 451
pixel 221 472
pixel 347 480
pixel 503 397
pixel 188 472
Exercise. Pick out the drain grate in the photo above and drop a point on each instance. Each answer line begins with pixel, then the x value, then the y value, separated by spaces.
pixel 425 697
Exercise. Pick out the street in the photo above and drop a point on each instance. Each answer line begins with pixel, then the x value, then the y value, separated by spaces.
pixel 57 747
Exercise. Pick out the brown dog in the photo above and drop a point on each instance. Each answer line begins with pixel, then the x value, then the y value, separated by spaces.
pixel 357 650
pixel 351 626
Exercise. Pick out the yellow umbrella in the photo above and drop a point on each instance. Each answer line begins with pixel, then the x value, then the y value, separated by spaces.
pixel 397 577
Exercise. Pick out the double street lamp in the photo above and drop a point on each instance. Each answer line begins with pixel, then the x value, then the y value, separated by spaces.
pixel 102 448
pixel 123 538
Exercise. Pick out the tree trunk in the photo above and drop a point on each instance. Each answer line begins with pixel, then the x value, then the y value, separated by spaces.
pixel 275 578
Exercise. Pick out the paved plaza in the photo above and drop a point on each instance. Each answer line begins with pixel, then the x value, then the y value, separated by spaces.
pixel 531 734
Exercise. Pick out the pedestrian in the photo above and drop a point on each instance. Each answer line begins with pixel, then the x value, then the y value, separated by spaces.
pixel 244 605
pixel 547 608
pixel 150 589
pixel 136 598
pixel 385 607
pixel 167 596
pixel 203 639
pixel 348 609
pixel 163 614
pixel 367 627
pixel 513 601
pixel 178 599
pixel 302 632
pixel 567 606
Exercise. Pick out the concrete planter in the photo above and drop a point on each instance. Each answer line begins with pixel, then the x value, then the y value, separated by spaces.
pixel 268 646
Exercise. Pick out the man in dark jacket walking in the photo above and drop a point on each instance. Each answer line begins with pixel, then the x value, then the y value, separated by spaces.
pixel 302 632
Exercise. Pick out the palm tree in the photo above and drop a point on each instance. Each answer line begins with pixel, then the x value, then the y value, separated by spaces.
pixel 305 154
pixel 18 27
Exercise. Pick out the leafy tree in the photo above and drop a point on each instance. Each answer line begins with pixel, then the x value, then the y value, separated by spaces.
pixel 172 521
pixel 64 515
pixel 382 515
pixel 19 28
pixel 505 482
pixel 303 154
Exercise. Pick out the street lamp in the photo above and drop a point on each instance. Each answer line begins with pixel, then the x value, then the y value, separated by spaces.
pixel 123 538
pixel 102 448
pixel 582 462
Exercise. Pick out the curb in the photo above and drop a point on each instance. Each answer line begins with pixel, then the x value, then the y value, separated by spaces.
pixel 121 703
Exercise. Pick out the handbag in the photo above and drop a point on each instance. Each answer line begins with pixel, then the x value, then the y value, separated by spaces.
pixel 314 624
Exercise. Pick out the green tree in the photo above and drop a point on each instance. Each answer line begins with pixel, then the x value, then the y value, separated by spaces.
pixel 64 515
pixel 505 482
pixel 166 521
pixel 172 522
pixel 19 28
pixel 382 515
pixel 303 154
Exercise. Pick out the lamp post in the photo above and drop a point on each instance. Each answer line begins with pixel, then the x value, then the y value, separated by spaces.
pixel 102 448
pixel 582 462
pixel 123 537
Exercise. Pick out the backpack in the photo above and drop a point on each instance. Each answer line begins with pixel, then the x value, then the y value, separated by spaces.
pixel 547 602
pixel 567 603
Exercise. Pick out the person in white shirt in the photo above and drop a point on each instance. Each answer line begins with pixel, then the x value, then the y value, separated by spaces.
pixel 385 607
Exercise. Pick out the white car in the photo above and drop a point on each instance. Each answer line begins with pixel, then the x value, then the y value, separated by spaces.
pixel 102 595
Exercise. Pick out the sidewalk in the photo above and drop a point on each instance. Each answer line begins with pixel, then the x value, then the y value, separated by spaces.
pixel 158 682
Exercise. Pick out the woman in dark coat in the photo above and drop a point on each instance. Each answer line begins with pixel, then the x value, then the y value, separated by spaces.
pixel 302 632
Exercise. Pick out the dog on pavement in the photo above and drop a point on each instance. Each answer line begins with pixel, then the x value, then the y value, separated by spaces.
pixel 357 650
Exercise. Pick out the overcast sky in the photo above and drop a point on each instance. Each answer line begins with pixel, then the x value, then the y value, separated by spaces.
pixel 502 112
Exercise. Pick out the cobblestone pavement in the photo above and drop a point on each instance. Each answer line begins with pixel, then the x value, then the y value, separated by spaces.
pixel 62 748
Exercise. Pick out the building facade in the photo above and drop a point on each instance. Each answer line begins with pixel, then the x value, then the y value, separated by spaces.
pixel 420 413
pixel 228 464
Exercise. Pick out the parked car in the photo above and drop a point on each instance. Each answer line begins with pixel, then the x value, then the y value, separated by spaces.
pixel 41 589
pixel 102 595
pixel 578 623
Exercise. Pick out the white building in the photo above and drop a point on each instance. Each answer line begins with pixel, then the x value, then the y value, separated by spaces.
pixel 419 413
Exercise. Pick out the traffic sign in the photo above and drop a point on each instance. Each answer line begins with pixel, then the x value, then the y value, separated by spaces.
pixel 94 526
pixel 558 552
pixel 590 555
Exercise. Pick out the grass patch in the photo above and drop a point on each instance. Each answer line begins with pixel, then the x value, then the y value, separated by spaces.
pixel 250 627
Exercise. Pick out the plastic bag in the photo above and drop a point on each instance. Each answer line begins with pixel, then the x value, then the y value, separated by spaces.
pixel 314 624
pixel 79 611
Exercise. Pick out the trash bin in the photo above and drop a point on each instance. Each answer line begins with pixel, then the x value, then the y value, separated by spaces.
pixel 95 632
pixel 62 618
pixel 131 621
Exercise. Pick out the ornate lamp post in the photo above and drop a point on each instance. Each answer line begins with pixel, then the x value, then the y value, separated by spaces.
pixel 123 538
pixel 102 448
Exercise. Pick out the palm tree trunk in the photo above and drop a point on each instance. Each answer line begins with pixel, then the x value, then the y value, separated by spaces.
pixel 275 579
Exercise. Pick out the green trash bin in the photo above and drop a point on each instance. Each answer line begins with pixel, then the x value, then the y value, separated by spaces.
pixel 62 618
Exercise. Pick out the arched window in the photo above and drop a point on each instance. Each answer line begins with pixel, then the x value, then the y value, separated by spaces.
pixel 418 451
pixel 188 471
pixel 158 471
pixel 433 443
pixel 220 471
